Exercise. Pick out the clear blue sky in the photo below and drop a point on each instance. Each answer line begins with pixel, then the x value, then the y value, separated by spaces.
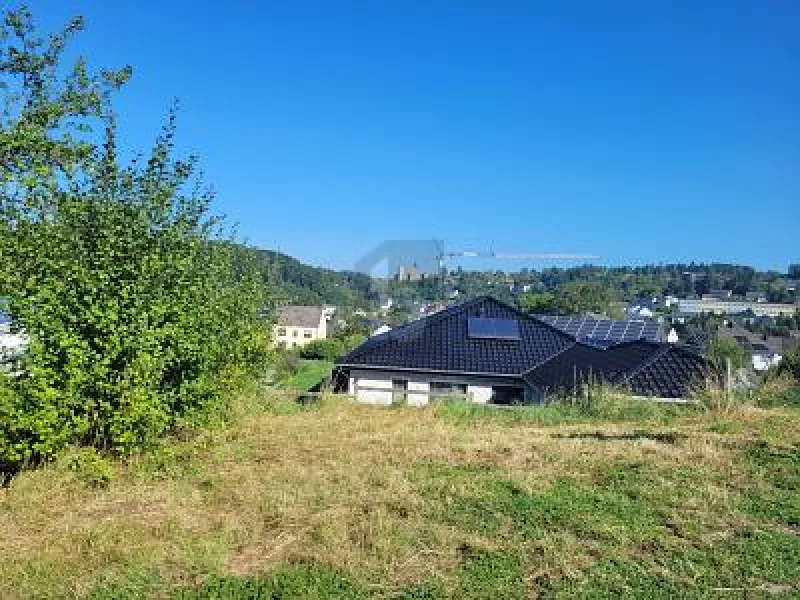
pixel 642 131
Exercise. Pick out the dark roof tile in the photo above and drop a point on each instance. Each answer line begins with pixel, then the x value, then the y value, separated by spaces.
pixel 545 357
pixel 441 343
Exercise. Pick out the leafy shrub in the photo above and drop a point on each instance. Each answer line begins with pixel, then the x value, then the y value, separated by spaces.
pixel 139 314
pixel 331 348
pixel 790 364
pixel 723 349
pixel 90 467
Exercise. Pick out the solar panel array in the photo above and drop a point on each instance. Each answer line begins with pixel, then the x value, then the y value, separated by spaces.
pixel 493 328
pixel 587 328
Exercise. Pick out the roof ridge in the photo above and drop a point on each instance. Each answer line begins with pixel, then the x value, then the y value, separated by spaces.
pixel 541 321
pixel 549 358
pixel 533 318
pixel 428 320
pixel 648 361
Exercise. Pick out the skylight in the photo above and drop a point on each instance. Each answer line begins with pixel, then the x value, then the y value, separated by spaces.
pixel 489 328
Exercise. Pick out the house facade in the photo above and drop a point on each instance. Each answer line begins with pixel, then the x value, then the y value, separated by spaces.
pixel 488 352
pixel 300 325
pixel 376 386
pixel 732 307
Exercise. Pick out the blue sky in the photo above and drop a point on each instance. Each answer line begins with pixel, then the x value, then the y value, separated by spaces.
pixel 655 131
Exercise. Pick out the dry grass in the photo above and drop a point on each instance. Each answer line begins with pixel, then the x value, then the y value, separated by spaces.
pixel 376 493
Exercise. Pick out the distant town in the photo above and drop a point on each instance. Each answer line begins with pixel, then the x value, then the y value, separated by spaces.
pixel 749 316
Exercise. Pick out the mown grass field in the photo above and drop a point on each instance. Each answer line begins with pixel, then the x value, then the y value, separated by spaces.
pixel 350 501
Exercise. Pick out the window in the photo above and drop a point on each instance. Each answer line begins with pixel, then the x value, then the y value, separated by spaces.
pixel 399 391
pixel 507 395
pixel 442 389
pixel 281 331
pixel 294 333
pixel 308 333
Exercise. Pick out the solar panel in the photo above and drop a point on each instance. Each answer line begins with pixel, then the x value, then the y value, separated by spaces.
pixel 490 328
pixel 605 329
pixel 599 343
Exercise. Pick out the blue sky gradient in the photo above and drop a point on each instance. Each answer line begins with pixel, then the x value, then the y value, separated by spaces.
pixel 643 132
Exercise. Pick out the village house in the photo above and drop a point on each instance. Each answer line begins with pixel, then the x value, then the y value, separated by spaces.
pixel 489 352
pixel 299 325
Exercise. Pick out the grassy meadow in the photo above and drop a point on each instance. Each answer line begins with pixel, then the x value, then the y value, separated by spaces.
pixel 338 500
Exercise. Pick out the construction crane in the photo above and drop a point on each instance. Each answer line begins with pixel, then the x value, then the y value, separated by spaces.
pixel 442 256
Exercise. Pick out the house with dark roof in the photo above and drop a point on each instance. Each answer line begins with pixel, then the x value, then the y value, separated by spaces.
pixel 490 352
pixel 764 351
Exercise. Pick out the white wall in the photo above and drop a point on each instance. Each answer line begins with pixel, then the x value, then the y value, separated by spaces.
pixel 763 362
pixel 375 386
pixel 296 336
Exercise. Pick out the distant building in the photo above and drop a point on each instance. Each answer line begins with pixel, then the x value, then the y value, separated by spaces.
pixel 764 352
pixel 763 357
pixel 408 273
pixel 386 303
pixel 381 329
pixel 718 295
pixel 672 336
pixel 755 297
pixel 735 307
pixel 299 325
pixel 640 312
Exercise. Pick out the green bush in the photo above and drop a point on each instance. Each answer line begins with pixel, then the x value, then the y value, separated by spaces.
pixel 331 348
pixel 92 468
pixel 790 364
pixel 139 313
pixel 721 350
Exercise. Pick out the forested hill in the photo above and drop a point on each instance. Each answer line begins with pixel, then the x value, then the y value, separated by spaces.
pixel 300 283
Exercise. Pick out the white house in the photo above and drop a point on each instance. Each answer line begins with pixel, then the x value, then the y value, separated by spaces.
pixel 299 325
pixel 763 357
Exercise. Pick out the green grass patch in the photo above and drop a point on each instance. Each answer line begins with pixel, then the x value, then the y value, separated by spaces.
pixel 482 500
pixel 304 581
pixel 606 409
pixel 750 564
pixel 309 374
pixel 488 575
pixel 775 492
pixel 341 500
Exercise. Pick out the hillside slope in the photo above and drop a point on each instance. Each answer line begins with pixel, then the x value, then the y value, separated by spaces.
pixel 352 501
pixel 306 284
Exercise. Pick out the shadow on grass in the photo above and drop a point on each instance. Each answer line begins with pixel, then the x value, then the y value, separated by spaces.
pixel 663 437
